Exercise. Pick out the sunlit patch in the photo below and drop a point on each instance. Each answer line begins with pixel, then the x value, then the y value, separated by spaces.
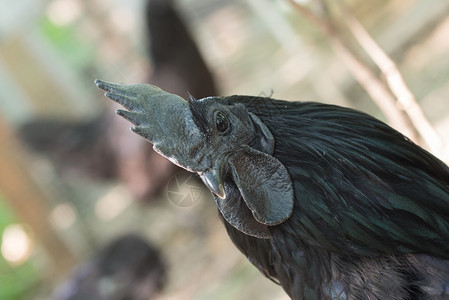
pixel 63 216
pixel 16 244
pixel 123 20
pixel 64 12
pixel 112 204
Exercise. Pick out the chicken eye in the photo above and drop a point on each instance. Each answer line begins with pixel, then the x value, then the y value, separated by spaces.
pixel 221 122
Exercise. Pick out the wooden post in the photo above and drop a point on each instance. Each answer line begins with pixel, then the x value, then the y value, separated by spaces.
pixel 28 202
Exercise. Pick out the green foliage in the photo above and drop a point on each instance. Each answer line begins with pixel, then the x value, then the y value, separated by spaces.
pixel 66 40
pixel 15 281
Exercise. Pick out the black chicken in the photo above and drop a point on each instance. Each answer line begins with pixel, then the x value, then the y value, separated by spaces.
pixel 327 201
pixel 128 268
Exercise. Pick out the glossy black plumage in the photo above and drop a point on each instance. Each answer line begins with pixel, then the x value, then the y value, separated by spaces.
pixel 370 205
pixel 327 201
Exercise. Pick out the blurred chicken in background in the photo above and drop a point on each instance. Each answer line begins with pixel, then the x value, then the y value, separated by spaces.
pixel 128 268
pixel 89 148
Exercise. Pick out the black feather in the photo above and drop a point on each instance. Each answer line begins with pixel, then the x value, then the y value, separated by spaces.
pixel 371 207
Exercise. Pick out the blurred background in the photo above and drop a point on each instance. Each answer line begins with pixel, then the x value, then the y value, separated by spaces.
pixel 88 211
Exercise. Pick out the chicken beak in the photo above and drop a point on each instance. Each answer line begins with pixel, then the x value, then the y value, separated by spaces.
pixel 212 179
